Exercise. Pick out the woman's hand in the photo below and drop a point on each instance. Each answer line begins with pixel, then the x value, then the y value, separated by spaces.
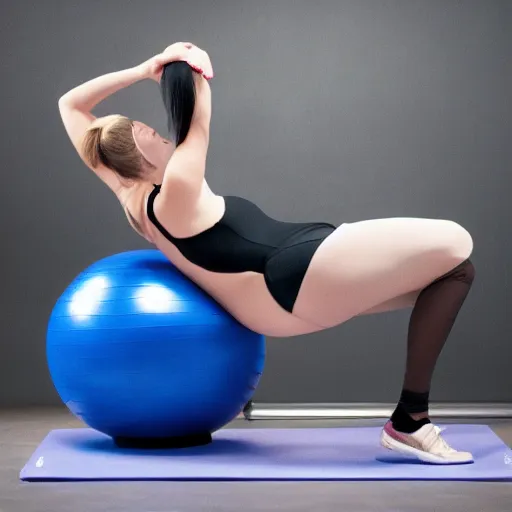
pixel 196 58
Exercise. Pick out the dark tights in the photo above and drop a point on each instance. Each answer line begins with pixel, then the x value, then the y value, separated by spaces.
pixel 431 322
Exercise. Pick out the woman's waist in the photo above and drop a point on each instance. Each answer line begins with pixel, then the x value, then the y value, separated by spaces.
pixel 236 253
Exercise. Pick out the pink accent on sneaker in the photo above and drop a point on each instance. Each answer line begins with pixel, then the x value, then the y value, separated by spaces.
pixel 401 437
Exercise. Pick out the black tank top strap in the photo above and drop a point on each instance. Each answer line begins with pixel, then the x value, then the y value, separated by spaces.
pixel 151 212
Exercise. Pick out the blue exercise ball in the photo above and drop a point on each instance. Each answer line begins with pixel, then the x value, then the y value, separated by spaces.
pixel 139 352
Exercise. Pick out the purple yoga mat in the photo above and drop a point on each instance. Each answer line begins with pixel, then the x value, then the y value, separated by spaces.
pixel 265 454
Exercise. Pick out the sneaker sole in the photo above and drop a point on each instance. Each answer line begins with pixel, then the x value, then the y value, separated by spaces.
pixel 392 444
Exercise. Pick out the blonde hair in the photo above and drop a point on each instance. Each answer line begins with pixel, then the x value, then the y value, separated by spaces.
pixel 109 141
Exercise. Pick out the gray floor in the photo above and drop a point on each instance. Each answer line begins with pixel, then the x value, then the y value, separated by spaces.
pixel 21 432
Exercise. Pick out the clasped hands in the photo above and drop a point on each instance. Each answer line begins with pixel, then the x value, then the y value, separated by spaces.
pixel 196 58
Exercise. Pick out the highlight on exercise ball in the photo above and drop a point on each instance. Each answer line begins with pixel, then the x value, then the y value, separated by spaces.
pixel 137 351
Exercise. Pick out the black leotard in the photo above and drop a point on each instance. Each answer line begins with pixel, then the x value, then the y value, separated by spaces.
pixel 246 239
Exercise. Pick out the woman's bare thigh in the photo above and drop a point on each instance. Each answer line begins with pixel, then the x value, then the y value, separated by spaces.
pixel 405 301
pixel 377 265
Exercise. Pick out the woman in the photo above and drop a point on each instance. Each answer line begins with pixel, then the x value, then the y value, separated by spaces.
pixel 280 279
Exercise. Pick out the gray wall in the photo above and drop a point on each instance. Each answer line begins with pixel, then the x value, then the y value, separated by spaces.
pixel 340 111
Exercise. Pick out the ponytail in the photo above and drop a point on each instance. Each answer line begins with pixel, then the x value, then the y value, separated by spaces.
pixel 179 96
pixel 91 147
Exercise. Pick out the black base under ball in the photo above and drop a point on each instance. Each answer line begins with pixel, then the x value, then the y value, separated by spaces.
pixel 163 443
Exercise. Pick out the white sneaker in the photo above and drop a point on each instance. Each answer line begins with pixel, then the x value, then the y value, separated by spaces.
pixel 426 444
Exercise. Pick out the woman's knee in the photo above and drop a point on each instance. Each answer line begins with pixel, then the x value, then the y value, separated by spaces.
pixel 456 242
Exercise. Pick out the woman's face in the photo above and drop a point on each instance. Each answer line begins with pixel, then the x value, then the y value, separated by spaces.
pixel 155 149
